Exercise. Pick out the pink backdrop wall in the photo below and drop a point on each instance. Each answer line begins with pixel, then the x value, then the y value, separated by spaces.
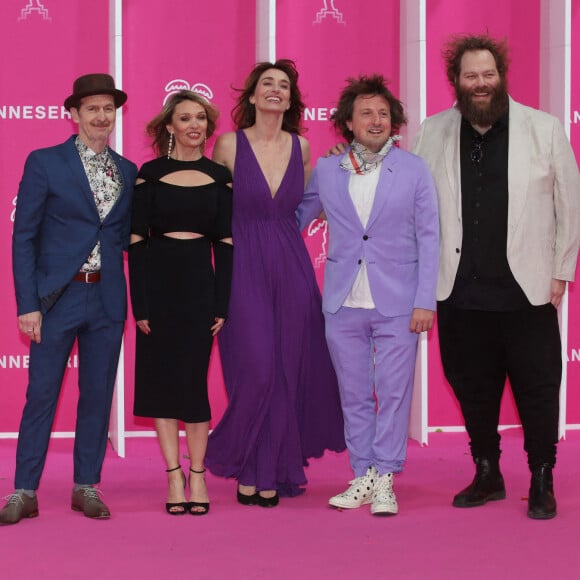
pixel 519 22
pixel 212 47
pixel 324 69
pixel 168 50
pixel 42 53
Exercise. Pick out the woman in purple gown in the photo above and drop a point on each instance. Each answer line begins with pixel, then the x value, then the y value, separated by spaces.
pixel 283 397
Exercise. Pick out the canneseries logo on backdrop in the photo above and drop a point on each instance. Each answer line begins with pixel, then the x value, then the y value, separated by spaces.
pixel 316 227
pixel 22 361
pixel 33 112
pixel 34 8
pixel 177 85
pixel 329 11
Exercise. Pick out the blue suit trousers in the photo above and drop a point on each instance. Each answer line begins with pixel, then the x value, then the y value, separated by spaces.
pixel 78 315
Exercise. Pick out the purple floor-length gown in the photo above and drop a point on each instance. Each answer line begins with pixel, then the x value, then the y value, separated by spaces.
pixel 283 396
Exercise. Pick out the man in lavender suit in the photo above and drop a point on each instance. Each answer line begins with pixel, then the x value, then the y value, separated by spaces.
pixel 380 281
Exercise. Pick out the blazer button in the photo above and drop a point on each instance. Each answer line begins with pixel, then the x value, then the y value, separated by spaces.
pixel 457 251
pixel 365 237
pixel 360 261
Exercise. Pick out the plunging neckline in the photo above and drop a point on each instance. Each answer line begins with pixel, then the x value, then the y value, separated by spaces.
pixel 273 196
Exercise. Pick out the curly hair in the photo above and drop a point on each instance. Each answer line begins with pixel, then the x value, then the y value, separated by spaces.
pixel 458 45
pixel 374 85
pixel 157 127
pixel 244 113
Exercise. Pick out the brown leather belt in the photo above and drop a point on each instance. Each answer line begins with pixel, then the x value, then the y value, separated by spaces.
pixel 87 277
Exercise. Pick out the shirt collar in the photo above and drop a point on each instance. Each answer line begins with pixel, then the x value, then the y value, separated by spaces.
pixel 87 152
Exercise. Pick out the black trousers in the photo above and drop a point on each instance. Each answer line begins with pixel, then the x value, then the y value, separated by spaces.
pixel 479 349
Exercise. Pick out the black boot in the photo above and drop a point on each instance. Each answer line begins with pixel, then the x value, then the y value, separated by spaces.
pixel 541 500
pixel 487 485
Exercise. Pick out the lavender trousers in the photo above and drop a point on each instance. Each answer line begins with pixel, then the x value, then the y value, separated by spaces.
pixel 374 359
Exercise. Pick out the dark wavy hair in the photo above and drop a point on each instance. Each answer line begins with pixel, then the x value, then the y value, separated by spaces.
pixel 244 113
pixel 368 86
pixel 157 127
pixel 458 45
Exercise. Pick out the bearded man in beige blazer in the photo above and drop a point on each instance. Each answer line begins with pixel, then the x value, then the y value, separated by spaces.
pixel 509 209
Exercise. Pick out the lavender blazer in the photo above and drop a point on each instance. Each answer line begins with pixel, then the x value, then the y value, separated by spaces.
pixel 400 243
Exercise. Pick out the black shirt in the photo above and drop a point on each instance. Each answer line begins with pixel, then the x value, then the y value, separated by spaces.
pixel 484 280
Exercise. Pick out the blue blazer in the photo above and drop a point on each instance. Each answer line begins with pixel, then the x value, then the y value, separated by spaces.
pixel 57 225
pixel 400 243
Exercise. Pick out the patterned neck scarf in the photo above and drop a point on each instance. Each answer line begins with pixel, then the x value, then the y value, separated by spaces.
pixel 360 160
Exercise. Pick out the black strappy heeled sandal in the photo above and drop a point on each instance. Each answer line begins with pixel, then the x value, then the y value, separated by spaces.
pixel 197 504
pixel 183 505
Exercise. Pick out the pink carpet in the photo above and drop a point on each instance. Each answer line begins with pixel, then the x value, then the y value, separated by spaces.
pixel 302 538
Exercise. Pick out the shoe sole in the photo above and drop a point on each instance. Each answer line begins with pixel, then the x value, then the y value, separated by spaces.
pixel 385 512
pixel 499 495
pixel 344 506
pixel 99 517
pixel 535 516
pixel 27 516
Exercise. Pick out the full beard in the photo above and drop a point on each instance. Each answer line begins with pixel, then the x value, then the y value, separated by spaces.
pixel 483 115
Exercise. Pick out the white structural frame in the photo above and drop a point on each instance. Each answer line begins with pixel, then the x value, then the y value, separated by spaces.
pixel 117 424
pixel 555 98
pixel 413 92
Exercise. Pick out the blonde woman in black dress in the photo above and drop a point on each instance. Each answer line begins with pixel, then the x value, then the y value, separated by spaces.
pixel 181 221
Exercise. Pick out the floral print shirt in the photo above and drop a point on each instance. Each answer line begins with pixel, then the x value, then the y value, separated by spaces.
pixel 105 181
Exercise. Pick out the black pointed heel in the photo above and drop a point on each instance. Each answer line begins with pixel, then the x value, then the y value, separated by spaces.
pixel 170 507
pixel 197 504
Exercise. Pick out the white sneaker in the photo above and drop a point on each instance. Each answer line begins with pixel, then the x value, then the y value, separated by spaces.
pixel 384 502
pixel 359 493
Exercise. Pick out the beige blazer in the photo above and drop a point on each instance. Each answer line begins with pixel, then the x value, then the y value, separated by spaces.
pixel 544 198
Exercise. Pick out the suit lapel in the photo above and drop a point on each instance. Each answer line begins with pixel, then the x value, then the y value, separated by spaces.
pixel 384 185
pixel 124 181
pixel 451 155
pixel 344 198
pixel 518 162
pixel 78 171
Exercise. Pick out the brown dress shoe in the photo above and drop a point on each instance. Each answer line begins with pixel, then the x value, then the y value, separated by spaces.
pixel 86 500
pixel 19 506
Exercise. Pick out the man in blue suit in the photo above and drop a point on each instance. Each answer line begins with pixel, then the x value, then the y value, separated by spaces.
pixel 379 282
pixel 71 226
